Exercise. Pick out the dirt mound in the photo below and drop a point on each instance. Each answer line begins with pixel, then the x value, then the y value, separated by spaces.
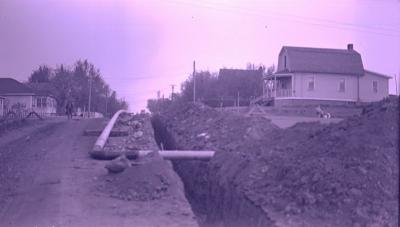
pixel 145 180
pixel 344 174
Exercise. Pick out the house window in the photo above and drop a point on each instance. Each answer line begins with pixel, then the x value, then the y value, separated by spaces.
pixel 33 102
pixel 41 102
pixel 38 102
pixel 342 85
pixel 311 83
pixel 375 86
pixel 44 102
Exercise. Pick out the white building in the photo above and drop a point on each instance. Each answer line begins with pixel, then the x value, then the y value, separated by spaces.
pixel 19 97
pixel 313 75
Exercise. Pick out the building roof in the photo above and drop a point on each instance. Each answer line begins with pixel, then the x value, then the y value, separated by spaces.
pixel 11 86
pixel 377 74
pixel 321 60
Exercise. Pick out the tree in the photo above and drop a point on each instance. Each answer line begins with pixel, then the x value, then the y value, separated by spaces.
pixel 206 87
pixel 41 75
pixel 73 84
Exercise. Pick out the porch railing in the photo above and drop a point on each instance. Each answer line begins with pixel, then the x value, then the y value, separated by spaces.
pixel 284 93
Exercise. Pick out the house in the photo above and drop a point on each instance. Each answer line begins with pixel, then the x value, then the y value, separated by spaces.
pixel 318 75
pixel 19 97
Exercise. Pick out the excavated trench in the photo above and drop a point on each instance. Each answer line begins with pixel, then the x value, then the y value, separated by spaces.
pixel 214 200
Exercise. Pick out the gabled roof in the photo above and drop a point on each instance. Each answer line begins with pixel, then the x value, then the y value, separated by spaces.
pixel 321 60
pixel 11 86
pixel 377 74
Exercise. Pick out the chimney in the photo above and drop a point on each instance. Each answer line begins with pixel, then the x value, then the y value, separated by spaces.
pixel 350 46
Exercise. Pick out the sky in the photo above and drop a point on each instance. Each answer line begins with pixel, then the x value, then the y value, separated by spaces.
pixel 142 46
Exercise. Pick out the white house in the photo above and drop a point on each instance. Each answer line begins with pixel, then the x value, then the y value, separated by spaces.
pixel 19 97
pixel 314 75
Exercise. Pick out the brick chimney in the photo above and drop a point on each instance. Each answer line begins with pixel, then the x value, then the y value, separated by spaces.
pixel 350 46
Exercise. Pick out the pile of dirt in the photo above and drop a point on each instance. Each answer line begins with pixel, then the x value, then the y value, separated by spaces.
pixel 344 174
pixel 145 180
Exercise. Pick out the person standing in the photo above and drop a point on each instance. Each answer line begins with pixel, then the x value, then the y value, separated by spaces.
pixel 69 109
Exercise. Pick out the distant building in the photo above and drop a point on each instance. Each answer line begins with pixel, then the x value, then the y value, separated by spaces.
pixel 19 97
pixel 314 75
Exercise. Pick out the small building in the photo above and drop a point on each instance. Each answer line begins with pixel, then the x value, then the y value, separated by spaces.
pixel 314 75
pixel 19 97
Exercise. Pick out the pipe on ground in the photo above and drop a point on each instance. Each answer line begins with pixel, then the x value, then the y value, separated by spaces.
pixel 102 139
pixel 181 154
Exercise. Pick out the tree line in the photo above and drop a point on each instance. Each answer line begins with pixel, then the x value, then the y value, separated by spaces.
pixel 224 88
pixel 72 83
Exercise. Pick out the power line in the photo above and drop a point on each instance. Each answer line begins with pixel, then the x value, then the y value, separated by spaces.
pixel 307 18
pixel 298 19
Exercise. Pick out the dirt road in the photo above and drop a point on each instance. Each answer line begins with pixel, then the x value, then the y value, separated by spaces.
pixel 47 179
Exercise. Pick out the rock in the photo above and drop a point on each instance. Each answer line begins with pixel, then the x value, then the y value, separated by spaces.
pixel 138 134
pixel 132 148
pixel 136 124
pixel 355 191
pixel 362 170
pixel 118 165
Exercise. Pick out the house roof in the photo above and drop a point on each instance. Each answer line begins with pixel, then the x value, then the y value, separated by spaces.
pixel 11 86
pixel 322 60
pixel 377 74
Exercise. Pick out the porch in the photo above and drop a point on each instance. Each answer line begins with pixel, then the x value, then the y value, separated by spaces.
pixel 279 85
pixel 275 86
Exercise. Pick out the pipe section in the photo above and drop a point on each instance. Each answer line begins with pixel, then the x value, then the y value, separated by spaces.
pixel 102 139
pixel 181 154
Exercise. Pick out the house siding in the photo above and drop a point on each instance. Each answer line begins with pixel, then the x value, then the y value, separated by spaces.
pixel 15 99
pixel 366 88
pixel 28 100
pixel 326 86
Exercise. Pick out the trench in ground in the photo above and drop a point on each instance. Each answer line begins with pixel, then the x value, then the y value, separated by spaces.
pixel 213 203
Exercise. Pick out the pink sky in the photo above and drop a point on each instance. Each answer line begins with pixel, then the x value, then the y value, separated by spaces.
pixel 145 46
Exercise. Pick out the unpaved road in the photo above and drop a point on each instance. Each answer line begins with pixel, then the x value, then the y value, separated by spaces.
pixel 47 179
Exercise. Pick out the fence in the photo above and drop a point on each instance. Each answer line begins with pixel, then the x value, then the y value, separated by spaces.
pixel 23 113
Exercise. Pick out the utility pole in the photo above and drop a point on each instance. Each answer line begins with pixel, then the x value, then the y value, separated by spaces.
pixel 194 81
pixel 172 91
pixel 238 102
pixel 90 93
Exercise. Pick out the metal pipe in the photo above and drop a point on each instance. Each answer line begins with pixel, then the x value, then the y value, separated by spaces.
pixel 98 146
pixel 180 155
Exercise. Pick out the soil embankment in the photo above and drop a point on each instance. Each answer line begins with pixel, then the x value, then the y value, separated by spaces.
pixel 48 179
pixel 343 174
pixel 149 179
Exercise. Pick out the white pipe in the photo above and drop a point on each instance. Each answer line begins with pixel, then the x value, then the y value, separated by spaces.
pixel 180 155
pixel 98 146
